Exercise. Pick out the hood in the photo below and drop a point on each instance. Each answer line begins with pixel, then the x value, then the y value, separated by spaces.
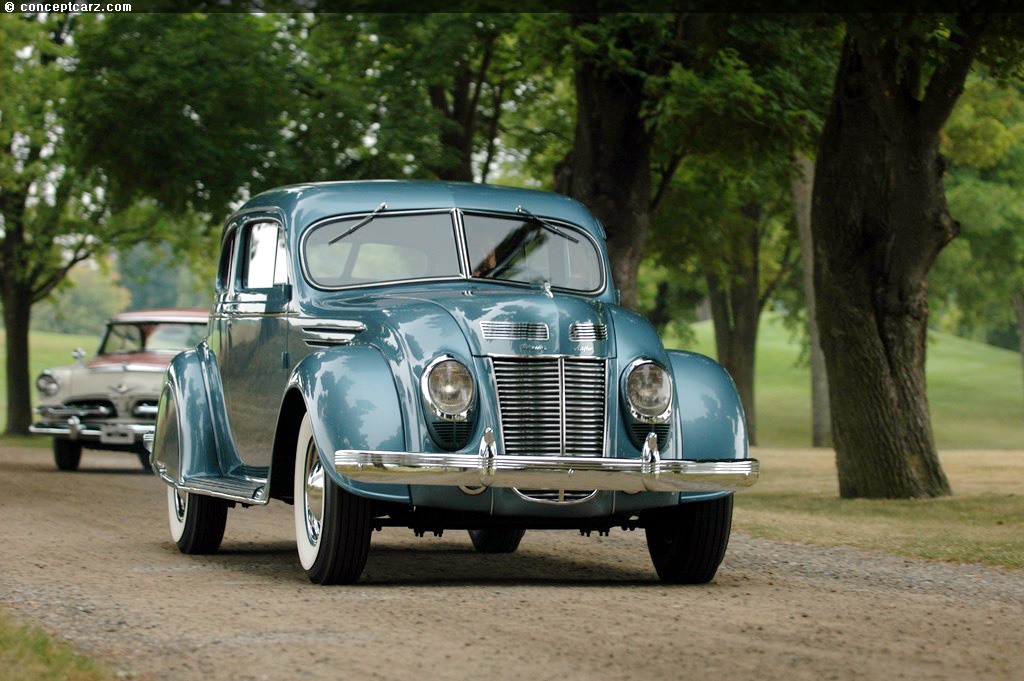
pixel 485 321
pixel 135 361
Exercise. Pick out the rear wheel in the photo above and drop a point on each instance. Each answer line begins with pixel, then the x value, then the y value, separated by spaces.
pixel 197 521
pixel 687 542
pixel 67 454
pixel 497 539
pixel 332 525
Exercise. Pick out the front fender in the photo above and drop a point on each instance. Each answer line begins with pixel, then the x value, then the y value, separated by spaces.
pixel 709 409
pixel 191 437
pixel 352 400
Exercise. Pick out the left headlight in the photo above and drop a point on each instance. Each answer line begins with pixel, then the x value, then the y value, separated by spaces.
pixel 649 391
pixel 47 384
pixel 448 388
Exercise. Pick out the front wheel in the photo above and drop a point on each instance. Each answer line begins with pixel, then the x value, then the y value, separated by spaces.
pixel 332 525
pixel 67 454
pixel 687 542
pixel 197 521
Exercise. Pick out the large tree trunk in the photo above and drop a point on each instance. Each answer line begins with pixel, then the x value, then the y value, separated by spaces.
pixel 17 308
pixel 735 312
pixel 879 221
pixel 610 167
pixel 802 186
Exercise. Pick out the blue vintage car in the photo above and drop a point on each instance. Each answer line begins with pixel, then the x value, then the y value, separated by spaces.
pixel 441 357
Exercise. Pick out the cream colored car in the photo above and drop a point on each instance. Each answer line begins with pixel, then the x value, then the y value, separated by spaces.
pixel 110 401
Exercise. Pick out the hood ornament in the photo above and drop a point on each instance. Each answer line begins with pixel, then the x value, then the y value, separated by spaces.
pixel 121 388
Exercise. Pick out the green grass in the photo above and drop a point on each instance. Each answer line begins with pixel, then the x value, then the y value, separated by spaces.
pixel 28 654
pixel 46 350
pixel 796 499
pixel 975 390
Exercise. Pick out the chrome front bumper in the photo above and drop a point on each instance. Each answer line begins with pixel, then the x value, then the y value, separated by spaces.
pixel 486 469
pixel 106 433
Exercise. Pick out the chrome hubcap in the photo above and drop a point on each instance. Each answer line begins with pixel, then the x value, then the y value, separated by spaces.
pixel 179 505
pixel 314 494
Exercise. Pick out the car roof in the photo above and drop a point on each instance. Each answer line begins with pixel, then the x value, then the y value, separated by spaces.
pixel 304 204
pixel 186 314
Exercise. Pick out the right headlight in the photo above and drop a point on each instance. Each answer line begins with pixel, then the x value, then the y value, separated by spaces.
pixel 47 384
pixel 649 391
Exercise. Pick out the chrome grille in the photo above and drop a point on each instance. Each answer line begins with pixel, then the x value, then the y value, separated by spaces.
pixel 552 405
pixel 587 331
pixel 514 331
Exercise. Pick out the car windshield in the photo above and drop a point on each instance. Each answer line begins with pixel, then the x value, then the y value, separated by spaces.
pixel 390 248
pixel 152 337
pixel 530 251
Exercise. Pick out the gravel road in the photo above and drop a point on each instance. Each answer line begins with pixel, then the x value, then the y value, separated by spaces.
pixel 87 555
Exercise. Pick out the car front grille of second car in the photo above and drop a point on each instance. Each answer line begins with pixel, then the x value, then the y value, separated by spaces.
pixel 552 406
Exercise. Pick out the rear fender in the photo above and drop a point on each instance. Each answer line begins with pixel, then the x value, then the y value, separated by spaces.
pixel 710 414
pixel 351 397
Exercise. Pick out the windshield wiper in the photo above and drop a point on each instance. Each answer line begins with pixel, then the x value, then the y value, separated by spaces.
pixel 546 225
pixel 359 225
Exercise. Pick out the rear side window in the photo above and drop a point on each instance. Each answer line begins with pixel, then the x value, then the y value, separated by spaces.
pixel 227 252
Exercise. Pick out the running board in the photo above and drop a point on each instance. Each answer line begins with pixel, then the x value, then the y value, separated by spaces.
pixel 239 489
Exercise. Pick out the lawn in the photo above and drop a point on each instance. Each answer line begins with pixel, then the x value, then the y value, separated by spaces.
pixel 975 390
pixel 797 499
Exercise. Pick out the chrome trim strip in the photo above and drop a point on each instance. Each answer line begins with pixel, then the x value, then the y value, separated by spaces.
pixel 497 330
pixel 60 412
pixel 588 332
pixel 328 333
pixel 488 469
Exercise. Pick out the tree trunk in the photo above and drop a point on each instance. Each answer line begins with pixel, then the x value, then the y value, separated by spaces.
pixel 17 308
pixel 610 168
pixel 736 312
pixel 879 220
pixel 802 186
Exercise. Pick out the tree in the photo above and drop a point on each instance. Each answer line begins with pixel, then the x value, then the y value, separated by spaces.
pixel 184 109
pixel 802 184
pixel 50 211
pixel 978 282
pixel 433 87
pixel 89 296
pixel 734 227
pixel 879 219
pixel 654 89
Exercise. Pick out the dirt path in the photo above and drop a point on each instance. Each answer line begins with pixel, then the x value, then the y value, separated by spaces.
pixel 87 555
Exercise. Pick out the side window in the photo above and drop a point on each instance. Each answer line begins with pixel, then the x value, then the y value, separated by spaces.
pixel 264 264
pixel 226 258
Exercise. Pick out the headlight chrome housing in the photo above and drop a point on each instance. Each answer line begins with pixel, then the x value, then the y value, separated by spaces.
pixel 648 391
pixel 448 389
pixel 47 384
